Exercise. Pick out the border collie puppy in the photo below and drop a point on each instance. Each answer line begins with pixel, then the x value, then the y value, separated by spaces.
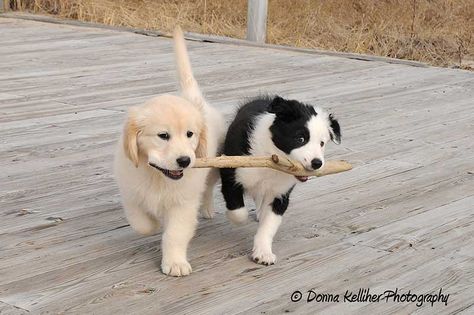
pixel 262 127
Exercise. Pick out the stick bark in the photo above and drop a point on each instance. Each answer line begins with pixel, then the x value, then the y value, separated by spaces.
pixel 274 162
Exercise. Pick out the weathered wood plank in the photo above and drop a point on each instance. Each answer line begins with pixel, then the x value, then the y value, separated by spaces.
pixel 66 246
pixel 8 309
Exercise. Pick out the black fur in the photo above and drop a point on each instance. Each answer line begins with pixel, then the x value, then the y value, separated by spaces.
pixel 336 129
pixel 291 116
pixel 280 205
pixel 289 124
pixel 287 128
pixel 237 138
pixel 237 143
pixel 233 191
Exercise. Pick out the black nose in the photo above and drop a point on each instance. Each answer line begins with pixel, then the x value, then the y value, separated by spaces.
pixel 316 163
pixel 183 161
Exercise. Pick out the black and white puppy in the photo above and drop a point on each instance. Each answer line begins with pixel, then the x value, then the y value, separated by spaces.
pixel 262 127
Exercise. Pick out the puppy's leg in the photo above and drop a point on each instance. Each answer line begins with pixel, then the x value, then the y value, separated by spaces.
pixel 179 227
pixel 234 197
pixel 269 221
pixel 262 244
pixel 259 205
pixel 141 221
pixel 207 208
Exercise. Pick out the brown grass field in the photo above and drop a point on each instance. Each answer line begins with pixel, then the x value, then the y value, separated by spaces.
pixel 438 32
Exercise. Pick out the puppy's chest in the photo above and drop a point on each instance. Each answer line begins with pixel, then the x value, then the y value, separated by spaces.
pixel 264 181
pixel 161 194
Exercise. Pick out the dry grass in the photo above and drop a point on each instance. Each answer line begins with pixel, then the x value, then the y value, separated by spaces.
pixel 438 32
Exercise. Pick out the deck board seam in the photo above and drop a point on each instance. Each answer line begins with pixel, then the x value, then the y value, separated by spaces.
pixel 215 39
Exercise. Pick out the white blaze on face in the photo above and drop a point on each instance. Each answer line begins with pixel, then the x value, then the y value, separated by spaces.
pixel 318 132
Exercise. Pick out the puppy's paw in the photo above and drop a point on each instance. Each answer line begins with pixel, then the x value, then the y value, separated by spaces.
pixel 257 215
pixel 207 211
pixel 176 268
pixel 238 216
pixel 263 257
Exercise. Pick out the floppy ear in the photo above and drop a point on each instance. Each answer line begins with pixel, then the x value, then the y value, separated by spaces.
pixel 201 150
pixel 334 130
pixel 130 139
pixel 277 106
pixel 283 108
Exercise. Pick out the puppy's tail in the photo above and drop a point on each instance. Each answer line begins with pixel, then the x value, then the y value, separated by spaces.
pixel 189 87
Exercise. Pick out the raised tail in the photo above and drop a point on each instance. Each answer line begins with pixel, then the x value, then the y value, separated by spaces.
pixel 189 87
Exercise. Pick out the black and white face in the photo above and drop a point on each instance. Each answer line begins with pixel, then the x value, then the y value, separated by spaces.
pixel 302 131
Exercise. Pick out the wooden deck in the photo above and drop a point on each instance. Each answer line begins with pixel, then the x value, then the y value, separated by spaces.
pixel 403 218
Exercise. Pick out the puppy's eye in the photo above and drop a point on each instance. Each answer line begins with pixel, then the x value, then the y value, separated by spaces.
pixel 300 139
pixel 322 144
pixel 164 136
pixel 189 134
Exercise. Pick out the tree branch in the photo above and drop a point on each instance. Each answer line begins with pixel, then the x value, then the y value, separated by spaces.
pixel 274 162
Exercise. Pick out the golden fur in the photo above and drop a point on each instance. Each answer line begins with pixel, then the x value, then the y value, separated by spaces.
pixel 150 197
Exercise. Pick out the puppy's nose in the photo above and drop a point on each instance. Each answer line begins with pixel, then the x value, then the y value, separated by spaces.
pixel 183 161
pixel 316 163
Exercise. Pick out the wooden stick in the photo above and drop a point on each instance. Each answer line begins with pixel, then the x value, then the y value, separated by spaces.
pixel 274 162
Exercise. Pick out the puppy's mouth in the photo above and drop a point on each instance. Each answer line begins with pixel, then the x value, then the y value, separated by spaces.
pixel 302 178
pixel 173 174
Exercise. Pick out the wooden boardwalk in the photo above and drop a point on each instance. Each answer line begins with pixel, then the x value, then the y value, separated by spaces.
pixel 403 218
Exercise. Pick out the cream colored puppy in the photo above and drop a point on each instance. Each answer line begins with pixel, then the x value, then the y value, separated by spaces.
pixel 160 143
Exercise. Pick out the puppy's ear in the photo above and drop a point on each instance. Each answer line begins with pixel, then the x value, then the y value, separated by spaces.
pixel 278 105
pixel 284 109
pixel 334 130
pixel 130 138
pixel 201 150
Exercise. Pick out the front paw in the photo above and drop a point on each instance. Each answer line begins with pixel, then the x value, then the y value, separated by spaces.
pixel 263 257
pixel 238 216
pixel 176 268
pixel 207 211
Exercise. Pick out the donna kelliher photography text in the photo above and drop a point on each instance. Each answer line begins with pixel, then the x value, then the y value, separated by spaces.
pixel 366 295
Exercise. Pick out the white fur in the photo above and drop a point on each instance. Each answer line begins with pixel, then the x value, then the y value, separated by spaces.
pixel 149 198
pixel 266 184
pixel 319 131
pixel 238 216
pixel 262 246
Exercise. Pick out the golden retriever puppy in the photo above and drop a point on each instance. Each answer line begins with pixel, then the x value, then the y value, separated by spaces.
pixel 153 164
